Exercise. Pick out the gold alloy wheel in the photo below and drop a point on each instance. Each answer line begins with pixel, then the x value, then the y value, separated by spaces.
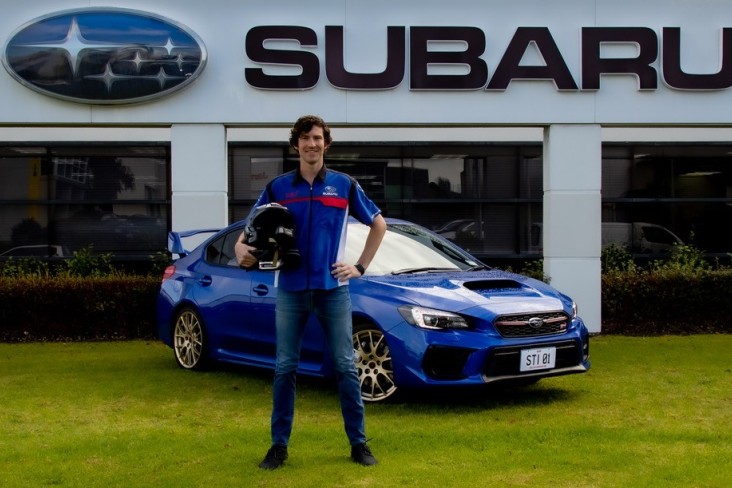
pixel 373 363
pixel 188 340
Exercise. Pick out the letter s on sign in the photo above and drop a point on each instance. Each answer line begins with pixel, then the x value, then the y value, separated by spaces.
pixel 256 51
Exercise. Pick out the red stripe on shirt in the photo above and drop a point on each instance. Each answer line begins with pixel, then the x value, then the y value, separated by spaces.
pixel 337 202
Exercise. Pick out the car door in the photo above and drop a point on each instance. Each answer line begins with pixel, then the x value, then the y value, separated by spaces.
pixel 222 294
pixel 238 330
pixel 240 313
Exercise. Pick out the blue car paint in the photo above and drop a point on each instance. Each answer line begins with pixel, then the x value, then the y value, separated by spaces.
pixel 237 309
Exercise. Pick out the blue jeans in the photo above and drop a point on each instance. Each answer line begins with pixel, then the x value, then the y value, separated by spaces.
pixel 333 310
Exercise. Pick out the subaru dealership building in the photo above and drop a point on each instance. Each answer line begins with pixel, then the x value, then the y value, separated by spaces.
pixel 518 128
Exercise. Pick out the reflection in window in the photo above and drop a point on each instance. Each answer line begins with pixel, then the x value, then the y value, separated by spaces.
pixel 685 190
pixel 489 198
pixel 111 198
pixel 483 197
pixel 440 177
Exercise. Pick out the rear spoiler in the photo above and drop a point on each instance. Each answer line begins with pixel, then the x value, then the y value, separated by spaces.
pixel 175 240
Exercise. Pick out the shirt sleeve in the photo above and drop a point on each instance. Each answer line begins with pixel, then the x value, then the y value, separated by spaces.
pixel 361 206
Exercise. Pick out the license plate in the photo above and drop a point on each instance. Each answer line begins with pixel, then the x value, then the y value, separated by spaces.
pixel 533 359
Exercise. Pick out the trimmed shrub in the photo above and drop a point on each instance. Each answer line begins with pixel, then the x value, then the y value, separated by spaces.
pixel 87 299
pixel 39 308
pixel 667 301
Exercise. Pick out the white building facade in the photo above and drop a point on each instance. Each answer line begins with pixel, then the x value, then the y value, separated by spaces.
pixel 173 114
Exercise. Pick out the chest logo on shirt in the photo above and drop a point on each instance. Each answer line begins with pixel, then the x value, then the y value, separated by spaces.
pixel 330 191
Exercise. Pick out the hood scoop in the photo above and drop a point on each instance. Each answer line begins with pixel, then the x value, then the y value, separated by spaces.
pixel 495 288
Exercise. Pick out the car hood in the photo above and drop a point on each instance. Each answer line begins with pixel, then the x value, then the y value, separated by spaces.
pixel 499 291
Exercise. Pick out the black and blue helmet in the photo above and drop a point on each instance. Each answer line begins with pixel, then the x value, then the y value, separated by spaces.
pixel 271 229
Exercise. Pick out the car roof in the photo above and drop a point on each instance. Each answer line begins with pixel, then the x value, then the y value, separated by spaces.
pixel 175 238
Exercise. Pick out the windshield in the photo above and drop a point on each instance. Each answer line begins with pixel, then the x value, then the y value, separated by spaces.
pixel 408 247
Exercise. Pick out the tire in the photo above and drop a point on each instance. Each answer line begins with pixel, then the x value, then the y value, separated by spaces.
pixel 373 363
pixel 189 340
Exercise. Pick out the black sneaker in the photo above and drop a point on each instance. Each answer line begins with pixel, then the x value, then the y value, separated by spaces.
pixel 275 457
pixel 361 454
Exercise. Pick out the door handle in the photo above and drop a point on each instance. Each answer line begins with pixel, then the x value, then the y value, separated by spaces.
pixel 261 290
pixel 205 281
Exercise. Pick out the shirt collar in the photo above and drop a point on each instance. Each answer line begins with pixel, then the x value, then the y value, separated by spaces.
pixel 320 176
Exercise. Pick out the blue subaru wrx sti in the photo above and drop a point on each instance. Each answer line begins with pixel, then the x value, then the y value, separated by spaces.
pixel 425 314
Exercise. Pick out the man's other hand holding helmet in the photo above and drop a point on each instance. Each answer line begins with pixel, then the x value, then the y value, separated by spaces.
pixel 243 252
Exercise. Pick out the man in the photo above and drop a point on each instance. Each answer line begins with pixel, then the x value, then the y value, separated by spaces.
pixel 320 200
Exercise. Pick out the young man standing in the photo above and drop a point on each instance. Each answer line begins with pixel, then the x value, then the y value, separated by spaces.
pixel 320 201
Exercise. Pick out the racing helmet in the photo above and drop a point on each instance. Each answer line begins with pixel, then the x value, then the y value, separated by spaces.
pixel 271 229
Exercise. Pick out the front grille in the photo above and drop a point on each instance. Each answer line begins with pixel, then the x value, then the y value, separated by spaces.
pixel 504 361
pixel 532 324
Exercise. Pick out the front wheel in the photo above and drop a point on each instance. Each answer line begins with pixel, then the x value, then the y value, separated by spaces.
pixel 189 340
pixel 373 363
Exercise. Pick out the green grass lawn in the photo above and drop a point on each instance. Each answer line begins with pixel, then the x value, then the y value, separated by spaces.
pixel 651 412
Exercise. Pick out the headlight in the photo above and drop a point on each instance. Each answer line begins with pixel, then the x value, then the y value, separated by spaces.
pixel 428 318
pixel 574 309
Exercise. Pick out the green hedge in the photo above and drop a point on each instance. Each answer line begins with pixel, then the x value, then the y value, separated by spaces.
pixel 667 301
pixel 43 308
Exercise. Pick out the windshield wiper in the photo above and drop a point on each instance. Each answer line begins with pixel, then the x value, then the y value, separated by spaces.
pixel 480 267
pixel 421 270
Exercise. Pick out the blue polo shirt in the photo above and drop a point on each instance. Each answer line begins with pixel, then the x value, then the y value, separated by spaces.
pixel 321 216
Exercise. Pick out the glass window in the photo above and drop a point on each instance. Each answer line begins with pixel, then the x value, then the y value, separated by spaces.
pixel 484 197
pixel 22 225
pixel 111 198
pixel 663 193
pixel 118 229
pixel 488 198
pixel 221 251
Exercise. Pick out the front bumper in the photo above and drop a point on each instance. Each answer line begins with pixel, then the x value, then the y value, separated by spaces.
pixel 458 358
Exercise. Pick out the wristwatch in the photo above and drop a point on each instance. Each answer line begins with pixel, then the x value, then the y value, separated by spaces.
pixel 360 268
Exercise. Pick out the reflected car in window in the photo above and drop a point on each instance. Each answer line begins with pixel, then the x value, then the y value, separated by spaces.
pixel 451 229
pixel 36 251
pixel 426 314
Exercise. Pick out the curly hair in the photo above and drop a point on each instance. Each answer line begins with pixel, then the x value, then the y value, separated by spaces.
pixel 306 124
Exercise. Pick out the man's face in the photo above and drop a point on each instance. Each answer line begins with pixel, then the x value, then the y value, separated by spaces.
pixel 311 145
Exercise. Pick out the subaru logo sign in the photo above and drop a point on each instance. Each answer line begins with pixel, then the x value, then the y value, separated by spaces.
pixel 104 55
